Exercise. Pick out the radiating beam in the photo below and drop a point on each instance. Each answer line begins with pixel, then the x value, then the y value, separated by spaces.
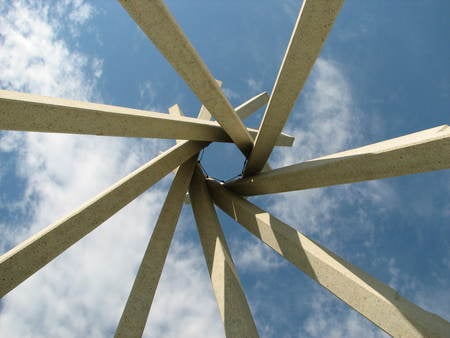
pixel 370 297
pixel 311 29
pixel 423 151
pixel 159 25
pixel 28 257
pixel 233 307
pixel 26 112
pixel 252 105
pixel 134 316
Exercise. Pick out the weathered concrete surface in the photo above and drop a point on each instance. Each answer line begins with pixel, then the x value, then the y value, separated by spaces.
pixel 423 151
pixel 159 25
pixel 370 297
pixel 311 29
pixel 26 112
pixel 28 257
pixel 134 316
pixel 233 307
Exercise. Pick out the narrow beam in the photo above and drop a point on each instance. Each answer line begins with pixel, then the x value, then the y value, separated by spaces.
pixel 427 150
pixel 370 297
pixel 28 257
pixel 233 307
pixel 26 112
pixel 311 29
pixel 252 105
pixel 160 26
pixel 134 316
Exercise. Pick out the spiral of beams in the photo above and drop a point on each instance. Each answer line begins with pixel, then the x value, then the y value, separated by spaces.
pixel 415 153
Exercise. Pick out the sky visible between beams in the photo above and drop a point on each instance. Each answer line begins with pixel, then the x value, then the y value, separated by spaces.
pixel 383 73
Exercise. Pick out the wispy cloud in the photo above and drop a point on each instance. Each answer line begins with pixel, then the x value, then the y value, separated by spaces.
pixel 83 291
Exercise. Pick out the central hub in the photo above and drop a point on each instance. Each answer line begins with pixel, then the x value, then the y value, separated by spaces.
pixel 222 161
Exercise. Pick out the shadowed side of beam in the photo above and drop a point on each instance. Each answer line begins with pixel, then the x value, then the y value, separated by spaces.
pixel 160 26
pixel 233 307
pixel 26 112
pixel 137 308
pixel 370 297
pixel 28 257
pixel 311 29
pixel 419 152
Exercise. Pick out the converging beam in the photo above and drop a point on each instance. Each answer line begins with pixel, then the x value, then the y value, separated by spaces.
pixel 160 26
pixel 233 307
pixel 134 316
pixel 419 152
pixel 28 257
pixel 26 112
pixel 370 297
pixel 311 29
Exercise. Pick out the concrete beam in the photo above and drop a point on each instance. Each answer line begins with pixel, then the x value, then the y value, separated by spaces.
pixel 252 105
pixel 160 26
pixel 26 112
pixel 28 257
pixel 311 29
pixel 233 307
pixel 419 152
pixel 204 113
pixel 374 300
pixel 137 308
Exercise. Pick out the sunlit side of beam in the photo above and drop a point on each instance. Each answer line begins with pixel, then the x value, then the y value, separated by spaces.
pixel 419 152
pixel 370 297
pixel 252 105
pixel 28 257
pixel 233 307
pixel 134 316
pixel 311 29
pixel 159 25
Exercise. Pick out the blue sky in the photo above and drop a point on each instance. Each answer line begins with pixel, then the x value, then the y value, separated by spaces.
pixel 383 72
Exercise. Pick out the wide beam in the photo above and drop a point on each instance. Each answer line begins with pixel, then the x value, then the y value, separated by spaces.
pixel 28 257
pixel 370 297
pixel 233 306
pixel 26 112
pixel 160 26
pixel 423 151
pixel 311 29
pixel 137 308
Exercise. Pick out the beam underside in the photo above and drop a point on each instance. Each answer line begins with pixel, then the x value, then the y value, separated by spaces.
pixel 414 153
pixel 233 306
pixel 370 297
pixel 28 257
pixel 159 25
pixel 311 29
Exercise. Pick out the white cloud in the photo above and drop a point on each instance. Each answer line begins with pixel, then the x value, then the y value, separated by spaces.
pixel 328 122
pixel 328 320
pixel 83 291
pixel 251 255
